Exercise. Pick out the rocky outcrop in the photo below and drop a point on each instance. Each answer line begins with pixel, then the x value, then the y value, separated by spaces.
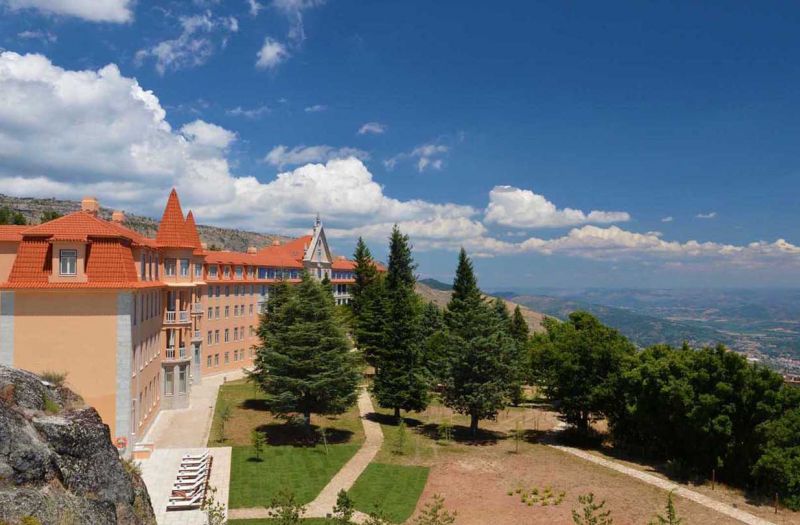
pixel 57 462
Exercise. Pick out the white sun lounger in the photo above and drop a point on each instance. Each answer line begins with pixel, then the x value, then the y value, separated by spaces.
pixel 204 455
pixel 194 503
pixel 193 468
pixel 192 474
pixel 185 494
pixel 189 485
pixel 193 463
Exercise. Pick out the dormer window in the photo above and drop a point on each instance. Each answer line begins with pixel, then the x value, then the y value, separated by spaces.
pixel 212 272
pixel 239 272
pixel 184 267
pixel 68 262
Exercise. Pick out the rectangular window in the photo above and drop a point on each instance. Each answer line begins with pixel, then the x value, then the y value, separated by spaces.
pixel 210 337
pixel 217 289
pixel 251 309
pixel 169 380
pixel 198 271
pixel 235 334
pixel 216 312
pixel 227 334
pixel 227 358
pixel 270 273
pixel 68 262
pixel 295 275
pixel 239 272
pixel 262 272
pixel 216 359
pixel 210 312
pixel 184 267
pixel 227 291
pixel 208 362
pixel 212 271
pixel 236 310
pixel 182 380
pixel 227 312
pixel 227 272
pixel 216 336
pixel 169 267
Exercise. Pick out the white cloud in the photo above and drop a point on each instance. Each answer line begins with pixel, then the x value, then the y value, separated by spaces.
pixel 426 156
pixel 255 7
pixel 668 219
pixel 375 128
pixel 196 44
pixel 251 113
pixel 709 215
pixel 282 156
pixel 118 11
pixel 44 36
pixel 518 208
pixel 271 54
pixel 293 9
pixel 316 108
pixel 71 133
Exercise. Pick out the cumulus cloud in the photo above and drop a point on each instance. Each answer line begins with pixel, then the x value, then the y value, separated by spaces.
pixel 254 7
pixel 70 133
pixel 709 215
pixel 519 208
pixel 282 156
pixel 271 54
pixel 117 11
pixel 374 128
pixel 316 108
pixel 201 36
pixel 251 113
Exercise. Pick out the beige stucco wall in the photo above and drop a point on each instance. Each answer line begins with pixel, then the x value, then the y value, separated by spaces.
pixel 71 331
pixel 8 252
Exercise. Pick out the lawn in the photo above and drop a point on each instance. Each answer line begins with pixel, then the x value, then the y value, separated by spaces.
pixel 304 471
pixel 394 489
pixel 268 521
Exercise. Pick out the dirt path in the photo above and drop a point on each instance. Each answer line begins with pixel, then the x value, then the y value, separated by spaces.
pixel 650 479
pixel 344 479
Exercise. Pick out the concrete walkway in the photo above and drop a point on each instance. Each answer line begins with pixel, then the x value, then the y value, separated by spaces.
pixel 190 427
pixel 344 479
pixel 661 483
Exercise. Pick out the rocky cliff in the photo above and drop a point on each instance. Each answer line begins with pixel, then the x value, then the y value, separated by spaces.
pixel 57 463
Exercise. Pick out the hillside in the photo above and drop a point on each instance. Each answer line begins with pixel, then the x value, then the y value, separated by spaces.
pixel 439 293
pixel 213 236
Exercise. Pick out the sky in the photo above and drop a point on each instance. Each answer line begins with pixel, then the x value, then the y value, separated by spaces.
pixel 563 144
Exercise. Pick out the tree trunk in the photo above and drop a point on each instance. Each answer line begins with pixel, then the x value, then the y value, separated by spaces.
pixel 307 419
pixel 397 413
pixel 473 424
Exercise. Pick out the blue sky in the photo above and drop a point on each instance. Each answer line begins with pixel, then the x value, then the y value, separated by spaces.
pixel 563 144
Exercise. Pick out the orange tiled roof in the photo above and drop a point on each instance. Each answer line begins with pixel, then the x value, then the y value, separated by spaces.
pixel 33 263
pixel 172 228
pixel 77 226
pixel 134 236
pixel 191 231
pixel 12 232
pixel 110 262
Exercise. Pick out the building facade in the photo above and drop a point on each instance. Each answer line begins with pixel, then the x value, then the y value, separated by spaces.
pixel 135 321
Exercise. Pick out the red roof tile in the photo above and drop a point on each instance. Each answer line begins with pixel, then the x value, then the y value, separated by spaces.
pixel 12 232
pixel 172 228
pixel 110 262
pixel 191 231
pixel 33 263
pixel 75 226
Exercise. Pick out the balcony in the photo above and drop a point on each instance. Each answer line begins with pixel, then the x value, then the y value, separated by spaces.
pixel 197 309
pixel 176 355
pixel 197 337
pixel 176 317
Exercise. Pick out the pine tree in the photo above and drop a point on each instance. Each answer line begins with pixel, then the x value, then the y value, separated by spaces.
pixel 370 330
pixel 434 341
pixel 519 327
pixel 671 515
pixel 501 310
pixel 520 362
pixel 401 377
pixel 304 365
pixel 478 371
pixel 364 274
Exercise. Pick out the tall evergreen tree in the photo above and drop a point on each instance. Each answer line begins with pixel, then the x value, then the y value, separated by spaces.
pixel 434 341
pixel 364 273
pixel 501 310
pixel 370 321
pixel 401 377
pixel 519 327
pixel 304 365
pixel 478 371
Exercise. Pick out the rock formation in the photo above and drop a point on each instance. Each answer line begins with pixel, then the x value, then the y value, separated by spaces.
pixel 57 462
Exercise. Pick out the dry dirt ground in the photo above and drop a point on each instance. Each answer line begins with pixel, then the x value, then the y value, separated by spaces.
pixel 476 479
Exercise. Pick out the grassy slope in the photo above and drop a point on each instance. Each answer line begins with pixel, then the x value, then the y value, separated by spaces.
pixel 394 489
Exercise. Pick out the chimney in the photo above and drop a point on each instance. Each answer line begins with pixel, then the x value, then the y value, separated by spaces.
pixel 341 258
pixel 252 250
pixel 276 242
pixel 204 245
pixel 90 205
pixel 118 217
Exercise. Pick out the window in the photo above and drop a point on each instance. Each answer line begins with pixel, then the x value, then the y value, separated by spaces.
pixel 68 262
pixel 251 309
pixel 216 336
pixel 169 381
pixel 169 267
pixel 212 272
pixel 227 291
pixel 227 312
pixel 235 334
pixel 210 312
pixel 216 359
pixel 262 273
pixel 210 337
pixel 239 272
pixel 198 271
pixel 270 273
pixel 236 310
pixel 216 312
pixel 217 290
pixel 208 362
pixel 182 379
pixel 295 274
pixel 227 358
pixel 227 334
pixel 184 267
pixel 227 272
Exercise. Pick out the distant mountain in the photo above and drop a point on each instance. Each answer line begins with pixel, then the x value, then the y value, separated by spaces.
pixel 213 236
pixel 439 293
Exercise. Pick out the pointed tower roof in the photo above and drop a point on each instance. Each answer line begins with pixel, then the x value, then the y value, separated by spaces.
pixel 191 231
pixel 172 228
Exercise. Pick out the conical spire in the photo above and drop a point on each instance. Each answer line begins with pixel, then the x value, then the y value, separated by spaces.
pixel 192 236
pixel 172 228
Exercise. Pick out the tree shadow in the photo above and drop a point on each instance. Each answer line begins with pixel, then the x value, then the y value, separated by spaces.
pixel 255 404
pixel 300 435
pixel 391 421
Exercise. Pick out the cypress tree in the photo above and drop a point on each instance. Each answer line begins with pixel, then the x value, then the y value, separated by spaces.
pixel 478 372
pixel 304 365
pixel 401 378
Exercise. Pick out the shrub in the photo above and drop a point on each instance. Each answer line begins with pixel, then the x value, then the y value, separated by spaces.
pixel 53 377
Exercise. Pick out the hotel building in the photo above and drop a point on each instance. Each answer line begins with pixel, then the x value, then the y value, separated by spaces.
pixel 134 321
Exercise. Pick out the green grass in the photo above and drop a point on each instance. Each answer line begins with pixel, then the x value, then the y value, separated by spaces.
pixel 394 488
pixel 269 521
pixel 302 470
